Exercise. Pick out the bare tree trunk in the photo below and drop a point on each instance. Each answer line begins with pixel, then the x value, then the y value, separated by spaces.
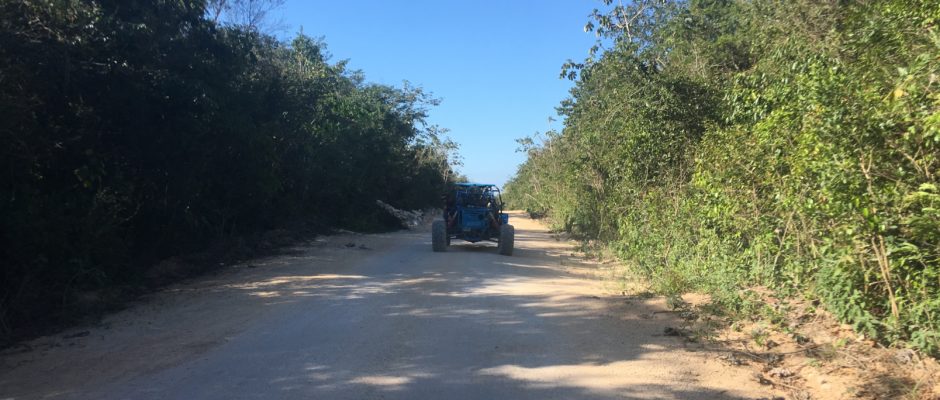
pixel 254 15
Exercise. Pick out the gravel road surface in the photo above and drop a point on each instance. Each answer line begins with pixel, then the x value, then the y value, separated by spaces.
pixel 385 318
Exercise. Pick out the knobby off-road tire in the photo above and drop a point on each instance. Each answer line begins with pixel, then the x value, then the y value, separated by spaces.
pixel 439 236
pixel 507 236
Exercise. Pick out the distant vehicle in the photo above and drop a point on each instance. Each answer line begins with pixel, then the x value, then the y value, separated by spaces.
pixel 474 212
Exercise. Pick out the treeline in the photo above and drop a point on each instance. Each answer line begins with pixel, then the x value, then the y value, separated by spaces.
pixel 133 131
pixel 723 145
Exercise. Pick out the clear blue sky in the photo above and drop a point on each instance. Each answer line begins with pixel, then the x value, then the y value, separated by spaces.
pixel 495 64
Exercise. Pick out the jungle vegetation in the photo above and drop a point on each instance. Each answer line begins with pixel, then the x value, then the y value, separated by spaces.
pixel 723 145
pixel 134 131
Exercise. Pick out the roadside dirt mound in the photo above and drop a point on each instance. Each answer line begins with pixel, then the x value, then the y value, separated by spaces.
pixel 409 219
pixel 802 350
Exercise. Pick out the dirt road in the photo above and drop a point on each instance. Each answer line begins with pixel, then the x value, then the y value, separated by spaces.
pixel 383 319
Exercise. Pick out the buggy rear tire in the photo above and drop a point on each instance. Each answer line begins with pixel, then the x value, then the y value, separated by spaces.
pixel 506 239
pixel 439 236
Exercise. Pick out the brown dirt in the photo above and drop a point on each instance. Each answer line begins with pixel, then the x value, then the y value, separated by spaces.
pixel 809 355
pixel 381 316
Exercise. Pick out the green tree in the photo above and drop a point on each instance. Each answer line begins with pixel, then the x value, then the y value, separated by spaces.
pixel 716 145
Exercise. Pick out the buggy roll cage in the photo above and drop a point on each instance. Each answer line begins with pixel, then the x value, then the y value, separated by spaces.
pixel 479 195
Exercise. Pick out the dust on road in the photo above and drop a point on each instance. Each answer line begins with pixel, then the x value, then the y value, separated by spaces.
pixel 386 318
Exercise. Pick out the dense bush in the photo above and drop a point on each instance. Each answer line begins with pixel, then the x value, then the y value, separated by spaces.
pixel 718 145
pixel 133 131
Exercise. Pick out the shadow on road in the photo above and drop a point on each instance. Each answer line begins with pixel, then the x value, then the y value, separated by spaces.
pixel 387 319
pixel 473 324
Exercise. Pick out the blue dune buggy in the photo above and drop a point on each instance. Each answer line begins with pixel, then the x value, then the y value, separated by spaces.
pixel 473 212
